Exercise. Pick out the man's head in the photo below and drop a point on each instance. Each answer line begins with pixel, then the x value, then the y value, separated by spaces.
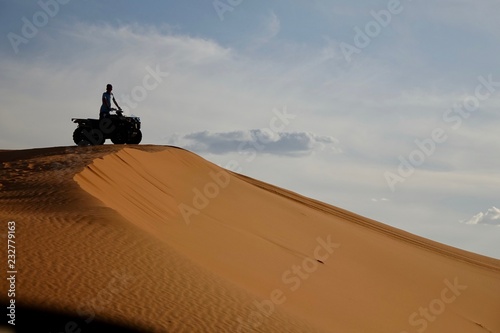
pixel 109 87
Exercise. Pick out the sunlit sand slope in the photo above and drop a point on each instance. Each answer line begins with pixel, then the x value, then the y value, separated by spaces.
pixel 335 270
pixel 77 257
pixel 159 239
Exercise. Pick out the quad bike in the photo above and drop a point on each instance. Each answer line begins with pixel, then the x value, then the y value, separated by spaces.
pixel 120 129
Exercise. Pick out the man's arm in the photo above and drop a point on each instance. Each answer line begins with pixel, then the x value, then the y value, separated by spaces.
pixel 114 101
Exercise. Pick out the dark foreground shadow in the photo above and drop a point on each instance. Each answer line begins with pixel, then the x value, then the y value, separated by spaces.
pixel 31 320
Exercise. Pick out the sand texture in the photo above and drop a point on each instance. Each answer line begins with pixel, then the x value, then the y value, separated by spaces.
pixel 157 239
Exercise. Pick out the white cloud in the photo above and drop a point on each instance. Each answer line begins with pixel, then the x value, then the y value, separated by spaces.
pixel 490 217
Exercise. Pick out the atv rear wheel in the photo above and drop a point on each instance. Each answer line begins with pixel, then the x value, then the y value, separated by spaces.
pixel 135 138
pixel 77 137
pixel 84 136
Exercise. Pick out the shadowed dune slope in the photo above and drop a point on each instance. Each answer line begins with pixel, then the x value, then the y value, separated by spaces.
pixel 160 239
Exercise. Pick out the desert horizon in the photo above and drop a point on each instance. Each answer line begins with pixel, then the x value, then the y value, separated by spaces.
pixel 158 239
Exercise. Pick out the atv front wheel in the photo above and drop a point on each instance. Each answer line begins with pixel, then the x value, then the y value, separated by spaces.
pixel 119 137
pixel 135 138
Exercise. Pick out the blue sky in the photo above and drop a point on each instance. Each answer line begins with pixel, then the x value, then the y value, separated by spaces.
pixel 385 108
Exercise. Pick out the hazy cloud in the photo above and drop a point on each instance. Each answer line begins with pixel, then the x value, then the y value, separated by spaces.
pixel 256 141
pixel 270 30
pixel 379 199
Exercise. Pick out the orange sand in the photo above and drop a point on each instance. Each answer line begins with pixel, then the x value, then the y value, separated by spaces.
pixel 165 241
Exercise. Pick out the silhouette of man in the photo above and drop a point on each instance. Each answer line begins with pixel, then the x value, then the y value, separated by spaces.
pixel 107 97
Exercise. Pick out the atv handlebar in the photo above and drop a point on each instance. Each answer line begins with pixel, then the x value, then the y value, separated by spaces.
pixel 117 111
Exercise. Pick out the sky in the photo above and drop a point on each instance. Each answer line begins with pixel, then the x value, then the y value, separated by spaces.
pixel 389 109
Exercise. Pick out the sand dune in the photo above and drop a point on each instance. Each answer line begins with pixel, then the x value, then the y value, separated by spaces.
pixel 161 240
